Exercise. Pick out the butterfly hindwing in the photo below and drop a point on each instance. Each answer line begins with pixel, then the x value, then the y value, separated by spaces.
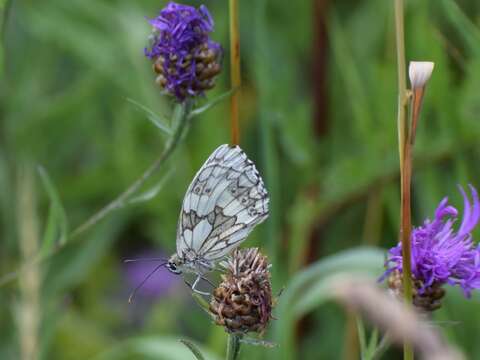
pixel 224 202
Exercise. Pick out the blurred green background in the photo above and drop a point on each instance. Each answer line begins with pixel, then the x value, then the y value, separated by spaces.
pixel 318 115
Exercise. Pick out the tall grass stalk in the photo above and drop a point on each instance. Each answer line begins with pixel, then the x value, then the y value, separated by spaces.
pixel 235 77
pixel 405 162
pixel 233 344
pixel 29 282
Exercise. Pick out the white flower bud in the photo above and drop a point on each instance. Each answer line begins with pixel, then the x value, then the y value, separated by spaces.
pixel 419 73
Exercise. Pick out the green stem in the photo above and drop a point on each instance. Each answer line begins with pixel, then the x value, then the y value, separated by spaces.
pixel 233 347
pixel 402 82
pixel 181 118
pixel 405 162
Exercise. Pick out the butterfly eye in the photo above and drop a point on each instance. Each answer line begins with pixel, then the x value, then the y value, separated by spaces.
pixel 173 268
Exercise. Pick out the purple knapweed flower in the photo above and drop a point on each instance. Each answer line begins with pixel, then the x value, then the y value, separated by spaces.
pixel 185 58
pixel 440 254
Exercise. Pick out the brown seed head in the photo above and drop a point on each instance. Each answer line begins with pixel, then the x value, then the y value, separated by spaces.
pixel 243 300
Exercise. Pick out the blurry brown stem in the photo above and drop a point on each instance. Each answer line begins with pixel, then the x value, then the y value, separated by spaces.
pixel 350 342
pixel 235 78
pixel 416 106
pixel 405 162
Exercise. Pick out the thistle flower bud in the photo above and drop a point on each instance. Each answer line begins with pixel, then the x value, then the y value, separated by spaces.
pixel 419 73
pixel 184 57
pixel 243 300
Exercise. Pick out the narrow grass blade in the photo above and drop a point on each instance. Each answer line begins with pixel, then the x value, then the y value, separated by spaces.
pixel 159 122
pixel 361 337
pixel 465 27
pixel 151 347
pixel 57 217
pixel 373 343
pixel 152 192
pixel 211 103
pixel 193 348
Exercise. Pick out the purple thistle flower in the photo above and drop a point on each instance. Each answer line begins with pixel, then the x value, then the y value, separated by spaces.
pixel 185 58
pixel 441 255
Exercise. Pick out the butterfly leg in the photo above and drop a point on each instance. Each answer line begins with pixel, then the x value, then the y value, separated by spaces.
pixel 194 289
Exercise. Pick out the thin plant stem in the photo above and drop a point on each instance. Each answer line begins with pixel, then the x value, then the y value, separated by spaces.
pixel 351 338
pixel 382 347
pixel 233 347
pixel 182 119
pixel 405 163
pixel 30 281
pixel 235 78
pixel 402 82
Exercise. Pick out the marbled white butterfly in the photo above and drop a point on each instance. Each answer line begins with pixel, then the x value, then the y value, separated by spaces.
pixel 222 205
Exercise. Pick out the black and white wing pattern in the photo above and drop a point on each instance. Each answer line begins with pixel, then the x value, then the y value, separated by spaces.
pixel 224 202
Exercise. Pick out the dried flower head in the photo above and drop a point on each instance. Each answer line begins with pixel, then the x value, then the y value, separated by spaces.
pixel 185 59
pixel 243 300
pixel 419 73
pixel 441 255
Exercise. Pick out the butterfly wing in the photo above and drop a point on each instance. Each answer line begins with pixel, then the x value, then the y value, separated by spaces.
pixel 222 205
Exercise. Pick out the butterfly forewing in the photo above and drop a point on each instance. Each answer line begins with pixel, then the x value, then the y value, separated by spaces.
pixel 224 202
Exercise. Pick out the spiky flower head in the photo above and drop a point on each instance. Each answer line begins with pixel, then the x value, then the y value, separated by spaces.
pixel 243 301
pixel 185 59
pixel 440 254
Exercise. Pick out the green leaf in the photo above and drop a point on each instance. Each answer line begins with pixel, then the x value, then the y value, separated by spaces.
pixel 354 260
pixel 211 103
pixel 361 336
pixel 193 348
pixel 373 343
pixel 363 260
pixel 152 192
pixel 158 348
pixel 311 288
pixel 156 120
pixel 57 222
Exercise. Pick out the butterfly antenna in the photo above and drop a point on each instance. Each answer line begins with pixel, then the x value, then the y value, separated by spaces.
pixel 144 259
pixel 134 292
